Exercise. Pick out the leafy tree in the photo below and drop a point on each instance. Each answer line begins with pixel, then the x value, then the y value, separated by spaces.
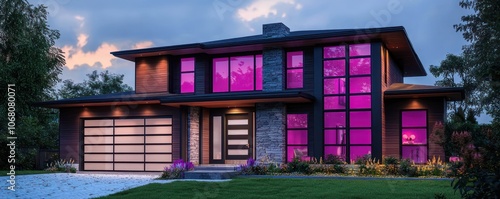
pixel 29 60
pixel 482 30
pixel 97 84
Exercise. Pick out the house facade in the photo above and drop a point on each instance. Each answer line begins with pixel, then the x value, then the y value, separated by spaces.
pixel 272 97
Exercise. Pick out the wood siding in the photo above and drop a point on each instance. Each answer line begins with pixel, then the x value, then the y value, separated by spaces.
pixel 391 141
pixel 205 137
pixel 70 127
pixel 309 70
pixel 151 74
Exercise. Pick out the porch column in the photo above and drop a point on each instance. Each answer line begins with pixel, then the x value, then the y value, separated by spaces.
pixel 270 132
pixel 194 135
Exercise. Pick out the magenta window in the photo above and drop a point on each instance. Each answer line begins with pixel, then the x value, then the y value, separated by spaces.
pixel 258 72
pixel 360 101
pixel 334 68
pixel 220 75
pixel 335 150
pixel 414 118
pixel 359 66
pixel 335 119
pixel 242 73
pixel 335 136
pixel 334 51
pixel 418 154
pixel 360 85
pixel 334 102
pixel 296 138
pixel 414 135
pixel 359 49
pixel 334 86
pixel 359 151
pixel 360 119
pixel 187 75
pixel 361 136
pixel 294 69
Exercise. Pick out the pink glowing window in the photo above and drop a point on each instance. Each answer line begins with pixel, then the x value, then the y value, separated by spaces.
pixel 295 71
pixel 297 137
pixel 242 73
pixel 334 102
pixel 220 75
pixel 360 119
pixel 359 66
pixel 187 75
pixel 359 151
pixel 334 51
pixel 360 85
pixel 359 49
pixel 296 120
pixel 418 154
pixel 335 150
pixel 334 86
pixel 361 136
pixel 298 152
pixel 414 136
pixel 258 72
pixel 334 68
pixel 360 101
pixel 335 136
pixel 335 120
pixel 294 59
pixel 414 118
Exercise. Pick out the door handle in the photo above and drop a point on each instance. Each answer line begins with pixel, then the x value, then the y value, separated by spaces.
pixel 248 146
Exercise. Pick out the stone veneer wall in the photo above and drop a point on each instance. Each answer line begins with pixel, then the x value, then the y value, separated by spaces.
pixel 273 61
pixel 194 135
pixel 270 131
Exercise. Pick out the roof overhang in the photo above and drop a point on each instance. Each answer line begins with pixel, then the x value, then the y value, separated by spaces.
pixel 229 100
pixel 394 38
pixel 400 90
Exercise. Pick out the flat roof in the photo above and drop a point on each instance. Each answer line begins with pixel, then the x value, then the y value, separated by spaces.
pixel 401 90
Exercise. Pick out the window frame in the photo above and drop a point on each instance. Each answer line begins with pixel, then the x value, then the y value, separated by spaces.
pixel 181 72
pixel 401 128
pixel 289 68
pixel 228 58
pixel 287 128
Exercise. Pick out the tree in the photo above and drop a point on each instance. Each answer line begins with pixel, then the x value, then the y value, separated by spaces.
pixel 482 30
pixel 29 60
pixel 97 84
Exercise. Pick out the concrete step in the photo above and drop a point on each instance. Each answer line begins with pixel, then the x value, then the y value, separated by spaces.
pixel 216 167
pixel 210 174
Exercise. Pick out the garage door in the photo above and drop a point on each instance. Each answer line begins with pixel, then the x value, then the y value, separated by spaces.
pixel 127 144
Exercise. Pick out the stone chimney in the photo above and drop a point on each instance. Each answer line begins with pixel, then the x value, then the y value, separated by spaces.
pixel 274 30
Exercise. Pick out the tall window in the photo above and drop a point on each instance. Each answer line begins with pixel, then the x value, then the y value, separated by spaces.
pixel 414 135
pixel 187 75
pixel 294 70
pixel 239 73
pixel 347 101
pixel 296 136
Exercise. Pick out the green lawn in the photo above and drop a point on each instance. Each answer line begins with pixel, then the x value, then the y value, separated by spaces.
pixel 24 172
pixel 293 188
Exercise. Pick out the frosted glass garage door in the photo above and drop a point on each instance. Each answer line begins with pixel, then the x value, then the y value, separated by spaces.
pixel 139 144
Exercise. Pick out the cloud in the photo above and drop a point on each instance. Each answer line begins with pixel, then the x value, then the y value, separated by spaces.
pixel 263 8
pixel 143 44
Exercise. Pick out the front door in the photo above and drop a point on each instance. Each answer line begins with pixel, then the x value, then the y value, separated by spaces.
pixel 231 138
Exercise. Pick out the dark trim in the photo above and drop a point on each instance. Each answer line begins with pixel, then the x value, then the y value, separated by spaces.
pixel 400 130
pixel 317 136
pixel 376 100
pixel 237 96
pixel 184 132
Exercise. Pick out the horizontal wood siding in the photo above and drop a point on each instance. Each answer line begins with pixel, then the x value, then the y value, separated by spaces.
pixel 70 126
pixel 308 69
pixel 201 74
pixel 395 74
pixel 151 74
pixel 205 137
pixel 435 111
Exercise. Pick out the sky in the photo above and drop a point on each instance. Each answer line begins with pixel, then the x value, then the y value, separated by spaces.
pixel 91 29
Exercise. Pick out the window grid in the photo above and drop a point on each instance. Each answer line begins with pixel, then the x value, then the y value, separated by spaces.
pixel 187 75
pixel 296 136
pixel 294 71
pixel 414 145
pixel 222 82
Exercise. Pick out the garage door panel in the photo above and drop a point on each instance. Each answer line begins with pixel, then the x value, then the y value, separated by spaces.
pixel 158 148
pixel 159 139
pixel 158 130
pixel 99 140
pixel 156 166
pixel 107 122
pixel 98 131
pixel 98 157
pixel 98 149
pixel 129 139
pixel 129 157
pixel 98 166
pixel 159 121
pixel 158 158
pixel 129 148
pixel 129 166
pixel 129 122
pixel 129 130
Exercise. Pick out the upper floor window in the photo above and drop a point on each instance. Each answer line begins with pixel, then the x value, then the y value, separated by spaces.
pixel 187 75
pixel 238 73
pixel 294 70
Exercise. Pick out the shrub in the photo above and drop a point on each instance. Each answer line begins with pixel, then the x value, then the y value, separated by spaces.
pixel 407 168
pixel 62 165
pixel 333 159
pixel 177 169
pixel 391 165
pixel 434 167
pixel 363 160
pixel 371 167
pixel 298 166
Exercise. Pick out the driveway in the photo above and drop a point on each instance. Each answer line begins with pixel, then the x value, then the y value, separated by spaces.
pixel 74 186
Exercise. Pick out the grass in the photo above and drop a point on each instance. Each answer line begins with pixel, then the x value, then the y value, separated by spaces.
pixel 25 172
pixel 293 188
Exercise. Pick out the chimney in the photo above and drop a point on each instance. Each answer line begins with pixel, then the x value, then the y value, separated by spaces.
pixel 274 30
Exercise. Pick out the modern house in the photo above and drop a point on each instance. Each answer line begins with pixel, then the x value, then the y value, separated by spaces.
pixel 273 96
